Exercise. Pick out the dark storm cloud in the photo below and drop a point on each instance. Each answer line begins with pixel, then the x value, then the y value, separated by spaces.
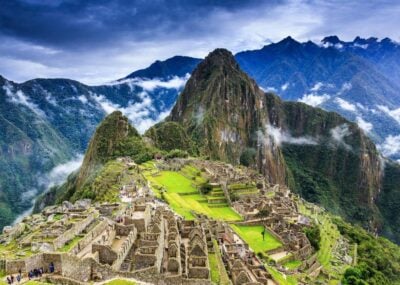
pixel 78 24
pixel 98 40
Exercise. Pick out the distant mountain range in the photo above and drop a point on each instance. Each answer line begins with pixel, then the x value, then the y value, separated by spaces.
pixel 45 123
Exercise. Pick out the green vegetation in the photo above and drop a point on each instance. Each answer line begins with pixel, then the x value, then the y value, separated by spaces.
pixel 215 277
pixel 292 264
pixel 314 236
pixel 33 282
pixel 69 245
pixel 280 277
pixel 184 197
pixel 169 136
pixel 329 236
pixel 253 236
pixel 105 187
pixel 378 259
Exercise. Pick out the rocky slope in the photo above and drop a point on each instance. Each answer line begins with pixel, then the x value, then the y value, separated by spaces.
pixel 114 137
pixel 321 155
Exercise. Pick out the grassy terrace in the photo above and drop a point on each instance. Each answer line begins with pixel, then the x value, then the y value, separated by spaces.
pixel 183 196
pixel 280 277
pixel 329 237
pixel 253 237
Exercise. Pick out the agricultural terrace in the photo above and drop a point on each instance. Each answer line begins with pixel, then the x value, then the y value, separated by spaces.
pixel 181 191
pixel 253 236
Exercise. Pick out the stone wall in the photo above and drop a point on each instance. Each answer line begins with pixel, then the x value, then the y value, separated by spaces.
pixel 89 237
pixel 125 248
pixel 76 229
pixel 106 254
pixel 13 266
pixel 76 268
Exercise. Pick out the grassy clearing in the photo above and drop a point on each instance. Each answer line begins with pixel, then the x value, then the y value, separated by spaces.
pixel 184 197
pixel 33 282
pixel 292 264
pixel 281 278
pixel 253 237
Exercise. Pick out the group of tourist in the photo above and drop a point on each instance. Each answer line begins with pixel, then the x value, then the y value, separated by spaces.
pixel 11 279
pixel 34 273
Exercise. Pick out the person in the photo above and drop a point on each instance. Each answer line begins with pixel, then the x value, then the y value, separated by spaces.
pixel 19 278
pixel 8 280
pixel 30 275
pixel 12 279
pixel 51 267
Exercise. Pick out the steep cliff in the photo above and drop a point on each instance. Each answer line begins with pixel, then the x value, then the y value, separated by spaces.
pixel 319 154
pixel 222 110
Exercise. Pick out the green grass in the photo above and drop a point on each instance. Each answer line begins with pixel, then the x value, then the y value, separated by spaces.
pixel 253 237
pixel 120 282
pixel 33 282
pixel 68 246
pixel 215 276
pixel 292 264
pixel 180 196
pixel 281 278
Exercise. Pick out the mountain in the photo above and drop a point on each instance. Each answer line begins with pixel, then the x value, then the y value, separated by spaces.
pixel 174 66
pixel 321 155
pixel 357 79
pixel 46 123
pixel 113 138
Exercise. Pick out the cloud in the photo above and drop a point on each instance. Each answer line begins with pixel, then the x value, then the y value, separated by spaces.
pixel 339 133
pixel 313 99
pixel 83 99
pixel 285 86
pixel 395 113
pixel 60 173
pixel 70 38
pixel 366 126
pixel 345 105
pixel 18 97
pixel 150 84
pixel 317 86
pixel 390 146
pixel 277 136
pixel 142 114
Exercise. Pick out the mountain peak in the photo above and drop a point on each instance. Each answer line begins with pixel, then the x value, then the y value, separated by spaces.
pixel 288 41
pixel 331 39
pixel 220 57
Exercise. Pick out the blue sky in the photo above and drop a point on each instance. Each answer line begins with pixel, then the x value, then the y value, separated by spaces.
pixel 96 41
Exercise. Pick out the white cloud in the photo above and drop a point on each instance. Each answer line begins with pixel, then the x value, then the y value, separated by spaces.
pixel 139 113
pixel 285 86
pixel 338 134
pixel 83 99
pixel 313 99
pixel 317 86
pixel 345 105
pixel 18 97
pixel 366 126
pixel 59 173
pixel 390 146
pixel 150 84
pixel 395 113
pixel 345 87
pixel 277 136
